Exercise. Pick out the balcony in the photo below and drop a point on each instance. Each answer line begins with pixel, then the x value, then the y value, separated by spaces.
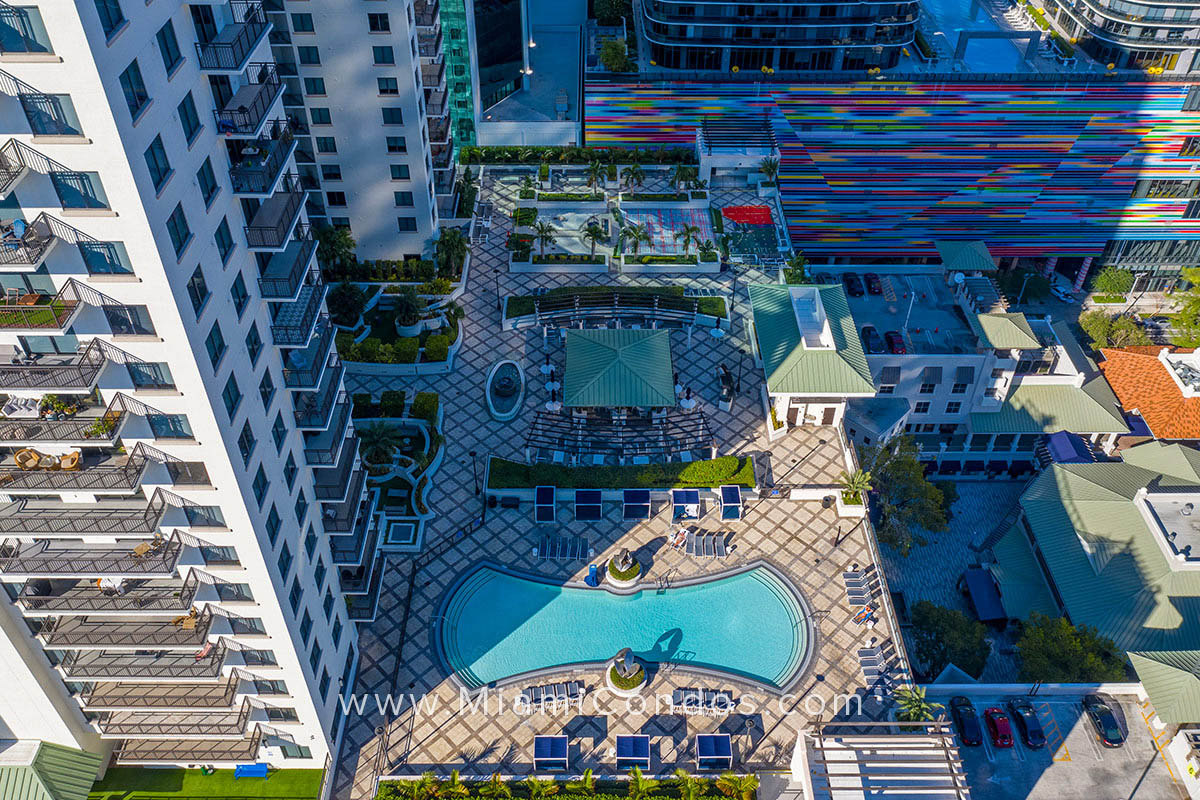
pixel 209 724
pixel 436 104
pixel 429 41
pixel 443 185
pixel 285 271
pixel 260 161
pixel 13 164
pixel 185 632
pixel 314 408
pixel 95 426
pixel 106 696
pixel 230 49
pixel 41 596
pixel 50 116
pixel 433 76
pixel 102 665
pixel 292 323
pixel 271 226
pixel 56 558
pixel 303 369
pixel 332 483
pixel 72 520
pixel 37 313
pixel 443 154
pixel 356 549
pixel 427 13
pixel 201 751
pixel 247 110
pixel 65 373
pixel 339 517
pixel 322 449
pixel 95 474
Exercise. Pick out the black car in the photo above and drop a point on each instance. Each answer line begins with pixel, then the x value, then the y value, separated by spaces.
pixel 853 284
pixel 1027 723
pixel 965 720
pixel 874 285
pixel 872 341
pixel 1104 721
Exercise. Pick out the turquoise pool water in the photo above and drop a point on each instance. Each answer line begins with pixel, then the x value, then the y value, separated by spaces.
pixel 497 625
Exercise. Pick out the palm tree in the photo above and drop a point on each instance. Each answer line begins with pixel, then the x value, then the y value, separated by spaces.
pixel 689 234
pixel 640 788
pixel 725 243
pixel 539 789
pixel 739 787
pixel 379 442
pixel 635 236
pixel 335 249
pixel 595 174
pixel 468 180
pixel 769 167
pixel 690 786
pixel 495 789
pixel 855 484
pixel 544 232
pixel 681 174
pixel 633 175
pixel 593 234
pixel 527 182
pixel 453 789
pixel 450 250
pixel 795 270
pixel 706 248
pixel 913 707
pixel 586 785
pixel 420 789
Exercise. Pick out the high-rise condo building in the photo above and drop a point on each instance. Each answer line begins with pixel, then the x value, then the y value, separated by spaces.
pixel 1131 35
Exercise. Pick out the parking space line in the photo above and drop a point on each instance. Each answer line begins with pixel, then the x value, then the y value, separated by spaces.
pixel 987 748
pixel 1158 745
pixel 1061 752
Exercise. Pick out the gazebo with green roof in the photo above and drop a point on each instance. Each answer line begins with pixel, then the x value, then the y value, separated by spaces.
pixel 618 369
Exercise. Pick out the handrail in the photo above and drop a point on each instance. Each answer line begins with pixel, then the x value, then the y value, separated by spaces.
pixel 70 632
pixel 326 456
pixel 265 234
pixel 159 598
pixel 308 376
pixel 146 696
pixel 205 724
pixel 313 408
pixel 296 326
pixel 80 374
pixel 336 486
pixel 42 557
pixel 78 429
pixel 246 118
pixel 126 666
pixel 230 55
pixel 259 179
pixel 285 287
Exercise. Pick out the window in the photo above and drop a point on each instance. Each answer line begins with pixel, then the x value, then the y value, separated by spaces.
pixel 289 471
pixel 197 290
pixel 235 592
pixel 188 118
pixel 921 408
pixel 134 88
pixel 150 375
pixel 927 388
pixel 397 144
pixel 269 686
pixel 204 516
pixel 254 343
pixel 327 604
pixel 958 388
pixel 170 426
pixel 388 86
pixel 326 144
pixel 215 555
pixel 306 627
pixel 129 320
pixel 111 16
pixel 310 543
pixel 337 632
pixel 314 657
pixel 285 560
pixel 887 388
pixel 266 389
pixel 393 116
pixel 302 23
pixel 224 240
pixel 320 116
pixel 296 593
pixel 953 408
pixel 214 343
pixel 273 524
pixel 260 485
pixel 258 658
pixel 177 227
pixel 301 508
pixel 168 47
pixel 323 685
pixel 997 373
pixel 331 172
pixel 383 55
pixel 246 442
pixel 319 574
pixel 308 55
pixel 402 199
pixel 378 23
pixel 400 172
pixel 157 163
pixel 278 430
pixel 337 199
pixel 208 182
pixel 314 86
pixel 232 396
pixel 406 224
pixel 239 294
pixel 342 223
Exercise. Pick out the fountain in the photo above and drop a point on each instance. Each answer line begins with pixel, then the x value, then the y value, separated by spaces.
pixel 505 390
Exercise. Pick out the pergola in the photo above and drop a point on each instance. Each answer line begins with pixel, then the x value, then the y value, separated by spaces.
pixel 655 439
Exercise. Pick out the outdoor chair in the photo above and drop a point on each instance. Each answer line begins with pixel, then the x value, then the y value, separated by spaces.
pixel 719 544
pixel 690 547
pixel 709 549
pixel 575 689
pixel 70 461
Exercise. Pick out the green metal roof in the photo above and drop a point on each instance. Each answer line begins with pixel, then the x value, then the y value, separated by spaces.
pixel 1047 408
pixel 1004 331
pixel 1172 680
pixel 1023 588
pixel 54 773
pixel 792 368
pixel 623 367
pixel 965 256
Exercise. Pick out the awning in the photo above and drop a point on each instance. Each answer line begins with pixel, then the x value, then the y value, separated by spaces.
pixel 983 594
pixel 588 505
pixel 543 504
pixel 549 753
pixel 714 751
pixel 636 504
pixel 931 375
pixel 964 375
pixel 685 504
pixel 748 215
pixel 889 375
pixel 731 502
pixel 633 751
pixel 1069 448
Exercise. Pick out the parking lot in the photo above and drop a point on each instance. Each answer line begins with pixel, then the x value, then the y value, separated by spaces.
pixel 1073 764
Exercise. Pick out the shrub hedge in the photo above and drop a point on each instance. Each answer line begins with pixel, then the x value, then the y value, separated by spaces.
pixel 660 258
pixel 569 197
pixel 569 258
pixel 575 155
pixel 437 348
pixel 732 470
pixel 425 406
pixel 391 403
pixel 669 297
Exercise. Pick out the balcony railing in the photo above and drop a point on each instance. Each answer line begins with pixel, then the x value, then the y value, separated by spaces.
pixel 272 223
pixel 108 696
pixel 157 725
pixel 429 42
pixel 292 324
pixel 322 449
pixel 332 483
pixel 339 517
pixel 439 130
pixel 60 372
pixel 302 369
pixel 188 631
pixel 170 751
pixel 232 46
pixel 84 429
pixel 245 112
pixel 313 408
pixel 93 665
pixel 433 76
pixel 285 271
pixel 427 13
pixel 357 548
pixel 131 595
pixel 109 477
pixel 262 161
pixel 34 311
pixel 53 558
pixel 436 104
pixel 51 517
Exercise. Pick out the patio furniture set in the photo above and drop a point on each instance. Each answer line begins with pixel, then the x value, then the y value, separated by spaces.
pixel 564 548
pixel 553 694
pixel 702 701
pixel 29 459
pixel 713 752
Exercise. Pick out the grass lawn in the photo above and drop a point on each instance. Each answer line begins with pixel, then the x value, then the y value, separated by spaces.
pixel 137 783
pixel 732 470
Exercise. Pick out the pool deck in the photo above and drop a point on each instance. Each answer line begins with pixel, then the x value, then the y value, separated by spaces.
pixel 804 540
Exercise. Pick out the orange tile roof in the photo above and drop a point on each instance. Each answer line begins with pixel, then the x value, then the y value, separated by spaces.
pixel 1141 382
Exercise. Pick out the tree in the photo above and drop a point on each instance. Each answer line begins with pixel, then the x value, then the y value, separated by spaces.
pixel 614 55
pixel 595 174
pixel 593 234
pixel 633 175
pixel 345 302
pixel 609 12
pixel 769 167
pixel 640 787
pixel 450 250
pixel 539 789
pixel 1055 651
pixel 854 485
pixel 796 270
pixel 421 789
pixel 544 234
pixel 496 788
pixel 1106 330
pixel 725 244
pixel 335 249
pixel 682 174
pixel 739 787
pixel 912 705
pixel 945 636
pixel 379 442
pixel 689 234
pixel 690 787
pixel 453 789
pixel 1112 281
pixel 586 785
pixel 1187 304
pixel 407 306
pixel 635 236
pixel 905 501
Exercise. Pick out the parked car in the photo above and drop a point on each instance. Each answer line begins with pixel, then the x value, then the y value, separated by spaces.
pixel 1104 721
pixel 874 285
pixel 999 727
pixel 853 284
pixel 965 721
pixel 895 342
pixel 1062 294
pixel 872 341
pixel 1027 723
pixel 1159 324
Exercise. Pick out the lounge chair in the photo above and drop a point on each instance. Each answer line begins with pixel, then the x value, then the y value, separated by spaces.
pixel 535 695
pixel 544 550
pixel 710 550
pixel 719 544
pixel 575 689
pixel 70 461
pixel 28 459
pixel 690 547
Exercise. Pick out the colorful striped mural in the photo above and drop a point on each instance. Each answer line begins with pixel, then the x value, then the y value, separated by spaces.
pixel 880 169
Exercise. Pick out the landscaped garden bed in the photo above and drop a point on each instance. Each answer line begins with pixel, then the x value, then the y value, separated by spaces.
pixel 726 470
pixel 670 297
pixel 663 258
pixel 576 155
pixel 569 258
pixel 570 197
pixel 682 787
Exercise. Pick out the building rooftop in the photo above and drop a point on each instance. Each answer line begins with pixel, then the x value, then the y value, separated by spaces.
pixel 1048 407
pixel 1143 383
pixel 618 368
pixel 922 308
pixel 553 92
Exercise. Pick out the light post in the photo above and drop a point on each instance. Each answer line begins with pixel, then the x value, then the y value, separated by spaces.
pixel 741 362
pixel 496 275
pixel 474 471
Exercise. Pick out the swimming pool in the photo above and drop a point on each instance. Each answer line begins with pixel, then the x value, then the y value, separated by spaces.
pixel 497 625
pixel 983 55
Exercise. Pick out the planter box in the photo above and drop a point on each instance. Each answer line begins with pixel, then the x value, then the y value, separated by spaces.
pixel 531 266
pixel 699 268
pixel 845 509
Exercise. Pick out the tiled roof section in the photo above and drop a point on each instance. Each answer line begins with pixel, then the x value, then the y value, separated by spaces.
pixel 1142 383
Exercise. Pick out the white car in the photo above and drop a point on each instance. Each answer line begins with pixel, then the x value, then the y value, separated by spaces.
pixel 1062 294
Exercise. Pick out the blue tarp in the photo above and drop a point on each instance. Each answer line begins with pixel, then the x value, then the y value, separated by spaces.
pixel 1068 448
pixel 1137 425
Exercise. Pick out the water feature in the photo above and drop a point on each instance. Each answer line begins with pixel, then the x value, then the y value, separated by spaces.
pixel 983 55
pixel 505 390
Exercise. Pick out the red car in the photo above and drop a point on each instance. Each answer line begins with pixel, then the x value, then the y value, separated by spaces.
pixel 874 285
pixel 895 342
pixel 999 727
